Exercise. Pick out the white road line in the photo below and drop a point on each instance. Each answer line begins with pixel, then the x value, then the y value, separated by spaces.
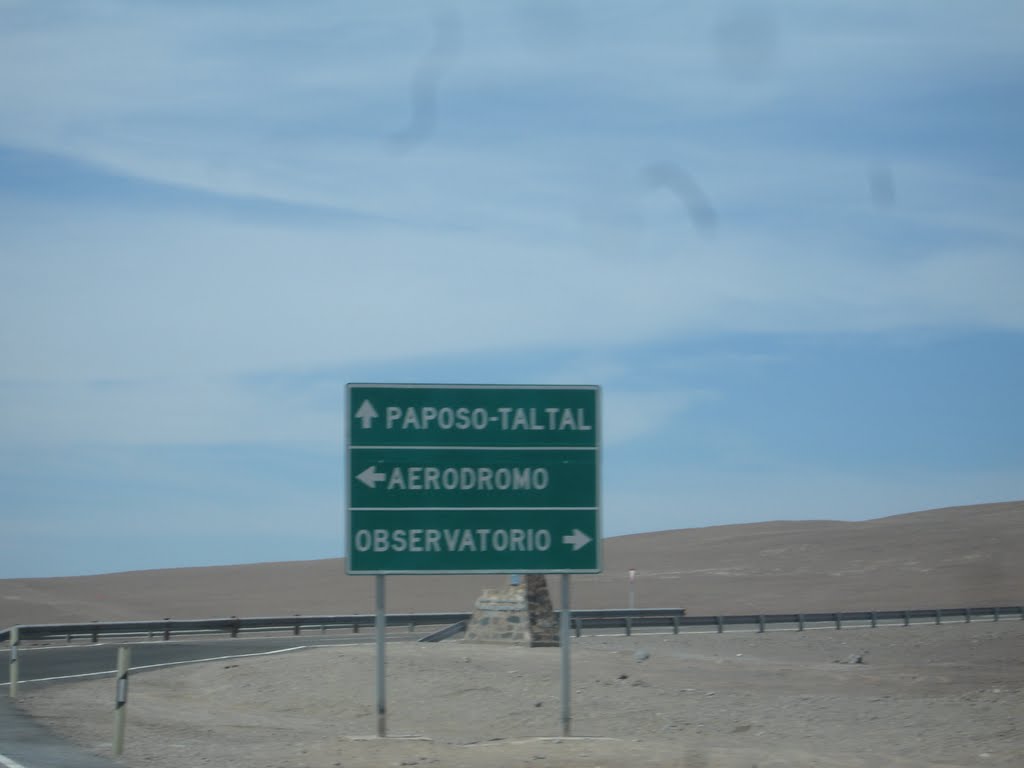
pixel 8 763
pixel 165 664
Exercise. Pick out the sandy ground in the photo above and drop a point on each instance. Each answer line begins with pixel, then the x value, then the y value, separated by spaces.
pixel 950 695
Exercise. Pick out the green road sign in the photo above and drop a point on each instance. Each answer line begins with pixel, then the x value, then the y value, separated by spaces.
pixel 472 479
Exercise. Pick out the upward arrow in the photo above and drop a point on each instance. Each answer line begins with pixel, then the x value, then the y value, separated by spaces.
pixel 366 414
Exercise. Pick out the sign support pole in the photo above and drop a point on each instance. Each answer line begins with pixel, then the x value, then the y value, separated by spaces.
pixel 381 626
pixel 564 640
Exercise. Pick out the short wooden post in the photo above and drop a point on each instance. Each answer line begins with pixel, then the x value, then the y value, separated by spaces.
pixel 14 640
pixel 124 657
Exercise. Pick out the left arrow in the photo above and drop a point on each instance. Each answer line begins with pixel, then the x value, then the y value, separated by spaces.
pixel 370 476
pixel 366 414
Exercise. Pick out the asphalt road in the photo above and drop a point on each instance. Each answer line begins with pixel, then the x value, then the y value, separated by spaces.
pixel 67 662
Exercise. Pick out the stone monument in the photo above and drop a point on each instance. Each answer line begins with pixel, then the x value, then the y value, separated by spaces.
pixel 518 614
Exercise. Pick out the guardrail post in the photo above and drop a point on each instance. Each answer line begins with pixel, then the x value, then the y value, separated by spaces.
pixel 412 624
pixel 874 620
pixel 95 634
pixel 906 618
pixel 721 624
pixel 760 623
pixel 167 628
pixel 629 626
pixel 938 615
pixel 576 624
pixel 355 626
pixel 675 625
pixel 15 639
pixel 800 621
pixel 124 656
pixel 967 615
pixel 298 625
pixel 839 620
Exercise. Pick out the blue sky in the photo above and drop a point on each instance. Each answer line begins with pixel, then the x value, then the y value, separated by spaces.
pixel 786 239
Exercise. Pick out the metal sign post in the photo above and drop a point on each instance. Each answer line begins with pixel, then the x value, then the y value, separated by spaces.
pixel 381 627
pixel 564 640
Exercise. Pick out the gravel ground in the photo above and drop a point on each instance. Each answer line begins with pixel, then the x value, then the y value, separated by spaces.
pixel 950 695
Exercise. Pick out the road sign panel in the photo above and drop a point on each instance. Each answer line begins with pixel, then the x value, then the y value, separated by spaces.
pixel 472 416
pixel 472 479
pixel 441 477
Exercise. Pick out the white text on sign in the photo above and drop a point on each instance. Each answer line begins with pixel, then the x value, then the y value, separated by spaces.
pixel 458 478
pixel 462 540
pixel 506 419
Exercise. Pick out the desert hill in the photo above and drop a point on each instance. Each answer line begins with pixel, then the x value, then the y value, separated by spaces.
pixel 952 557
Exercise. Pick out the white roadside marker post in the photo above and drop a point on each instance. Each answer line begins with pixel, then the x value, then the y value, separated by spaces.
pixel 15 639
pixel 124 656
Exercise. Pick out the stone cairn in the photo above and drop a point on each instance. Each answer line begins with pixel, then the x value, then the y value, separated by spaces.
pixel 519 614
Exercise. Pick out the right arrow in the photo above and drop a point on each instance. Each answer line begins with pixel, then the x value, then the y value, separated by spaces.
pixel 370 476
pixel 578 539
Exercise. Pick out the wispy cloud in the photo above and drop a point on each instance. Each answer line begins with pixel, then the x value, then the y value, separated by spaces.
pixel 206 226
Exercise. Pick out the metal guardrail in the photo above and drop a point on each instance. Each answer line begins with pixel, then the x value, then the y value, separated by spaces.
pixel 232 625
pixel 443 634
pixel 626 619
pixel 800 620
pixel 601 617
pixel 868 618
